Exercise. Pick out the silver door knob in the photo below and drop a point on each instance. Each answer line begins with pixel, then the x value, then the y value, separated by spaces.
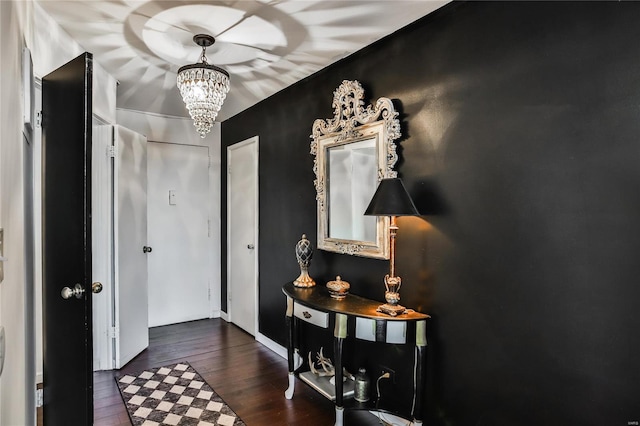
pixel 96 287
pixel 146 249
pixel 76 291
pixel 250 246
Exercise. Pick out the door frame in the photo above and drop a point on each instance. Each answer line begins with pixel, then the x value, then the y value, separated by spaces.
pixel 255 142
pixel 103 168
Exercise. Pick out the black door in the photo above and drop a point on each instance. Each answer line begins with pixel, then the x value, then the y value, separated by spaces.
pixel 66 216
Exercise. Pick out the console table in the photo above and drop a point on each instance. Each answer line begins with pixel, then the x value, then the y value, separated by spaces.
pixel 315 306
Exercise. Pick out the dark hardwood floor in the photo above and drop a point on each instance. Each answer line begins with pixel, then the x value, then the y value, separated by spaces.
pixel 248 376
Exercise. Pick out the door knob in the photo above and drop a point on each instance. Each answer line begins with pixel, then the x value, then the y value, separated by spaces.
pixel 146 249
pixel 76 291
pixel 96 287
pixel 250 246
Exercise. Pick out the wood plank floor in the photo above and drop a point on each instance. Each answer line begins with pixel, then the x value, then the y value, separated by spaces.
pixel 247 375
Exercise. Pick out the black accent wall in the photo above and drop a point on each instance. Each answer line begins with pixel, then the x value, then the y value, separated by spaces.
pixel 521 147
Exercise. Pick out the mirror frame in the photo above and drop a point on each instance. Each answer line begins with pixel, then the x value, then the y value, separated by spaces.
pixel 353 122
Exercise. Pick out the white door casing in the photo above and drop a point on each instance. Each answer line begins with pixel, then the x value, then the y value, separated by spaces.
pixel 102 242
pixel 178 232
pixel 242 234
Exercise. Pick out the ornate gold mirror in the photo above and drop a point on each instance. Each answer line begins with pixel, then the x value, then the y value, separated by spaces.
pixel 353 151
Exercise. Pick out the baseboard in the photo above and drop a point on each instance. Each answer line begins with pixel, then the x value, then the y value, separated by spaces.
pixel 261 338
pixel 215 313
pixel 270 344
pixel 279 349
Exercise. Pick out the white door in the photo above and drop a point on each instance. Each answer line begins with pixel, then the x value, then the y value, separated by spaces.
pixel 242 222
pixel 178 183
pixel 131 295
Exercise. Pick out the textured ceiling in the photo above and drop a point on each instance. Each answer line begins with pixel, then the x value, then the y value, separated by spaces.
pixel 265 45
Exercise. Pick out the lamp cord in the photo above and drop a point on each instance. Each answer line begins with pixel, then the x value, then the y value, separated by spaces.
pixel 382 421
pixel 378 396
pixel 415 380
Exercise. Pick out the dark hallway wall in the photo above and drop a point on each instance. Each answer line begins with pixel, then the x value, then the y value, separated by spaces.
pixel 522 120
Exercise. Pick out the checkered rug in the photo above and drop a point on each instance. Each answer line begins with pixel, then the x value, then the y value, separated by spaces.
pixel 174 395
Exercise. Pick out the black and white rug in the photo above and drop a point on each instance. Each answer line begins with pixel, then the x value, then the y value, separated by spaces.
pixel 174 395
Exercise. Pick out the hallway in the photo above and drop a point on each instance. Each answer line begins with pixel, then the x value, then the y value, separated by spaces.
pixel 247 375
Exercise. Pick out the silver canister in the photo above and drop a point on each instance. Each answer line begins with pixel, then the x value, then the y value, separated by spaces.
pixel 362 386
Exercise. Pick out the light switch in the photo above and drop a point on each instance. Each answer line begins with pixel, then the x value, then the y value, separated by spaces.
pixel 172 197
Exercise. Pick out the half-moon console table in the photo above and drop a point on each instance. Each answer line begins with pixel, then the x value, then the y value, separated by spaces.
pixel 315 306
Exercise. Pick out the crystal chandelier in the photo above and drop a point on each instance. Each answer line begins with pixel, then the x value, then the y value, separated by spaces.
pixel 203 87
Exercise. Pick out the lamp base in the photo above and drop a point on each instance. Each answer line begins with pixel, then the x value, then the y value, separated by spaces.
pixel 392 310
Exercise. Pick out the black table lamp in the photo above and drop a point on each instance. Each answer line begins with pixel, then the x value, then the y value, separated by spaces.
pixel 391 199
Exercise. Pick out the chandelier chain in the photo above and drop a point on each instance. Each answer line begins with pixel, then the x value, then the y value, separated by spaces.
pixel 203 57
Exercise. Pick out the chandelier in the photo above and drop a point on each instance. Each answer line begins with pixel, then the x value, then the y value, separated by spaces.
pixel 203 87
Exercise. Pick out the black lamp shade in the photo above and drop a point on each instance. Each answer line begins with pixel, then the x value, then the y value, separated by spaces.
pixel 391 199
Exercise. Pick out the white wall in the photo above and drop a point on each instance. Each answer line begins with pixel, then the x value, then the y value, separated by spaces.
pixel 16 403
pixel 179 130
pixel 24 23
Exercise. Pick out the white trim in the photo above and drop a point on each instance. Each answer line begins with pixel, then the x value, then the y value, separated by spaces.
pixel 224 316
pixel 270 344
pixel 255 141
pixel 115 289
pixel 102 204
pixel 28 89
pixel 155 114
pixel 37 234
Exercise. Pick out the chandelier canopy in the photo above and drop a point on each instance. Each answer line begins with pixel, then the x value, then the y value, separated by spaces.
pixel 203 87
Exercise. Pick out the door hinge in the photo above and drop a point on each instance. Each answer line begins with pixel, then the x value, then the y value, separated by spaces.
pixel 209 294
pixel 229 170
pixel 112 151
pixel 39 119
pixel 114 332
pixel 39 398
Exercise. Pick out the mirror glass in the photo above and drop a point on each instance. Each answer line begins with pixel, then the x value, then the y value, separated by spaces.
pixel 353 151
pixel 353 178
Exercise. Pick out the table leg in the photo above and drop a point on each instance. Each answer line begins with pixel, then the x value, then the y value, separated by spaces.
pixel 340 333
pixel 421 371
pixel 339 416
pixel 290 327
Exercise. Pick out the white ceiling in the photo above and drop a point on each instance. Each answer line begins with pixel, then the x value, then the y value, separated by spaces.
pixel 265 45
